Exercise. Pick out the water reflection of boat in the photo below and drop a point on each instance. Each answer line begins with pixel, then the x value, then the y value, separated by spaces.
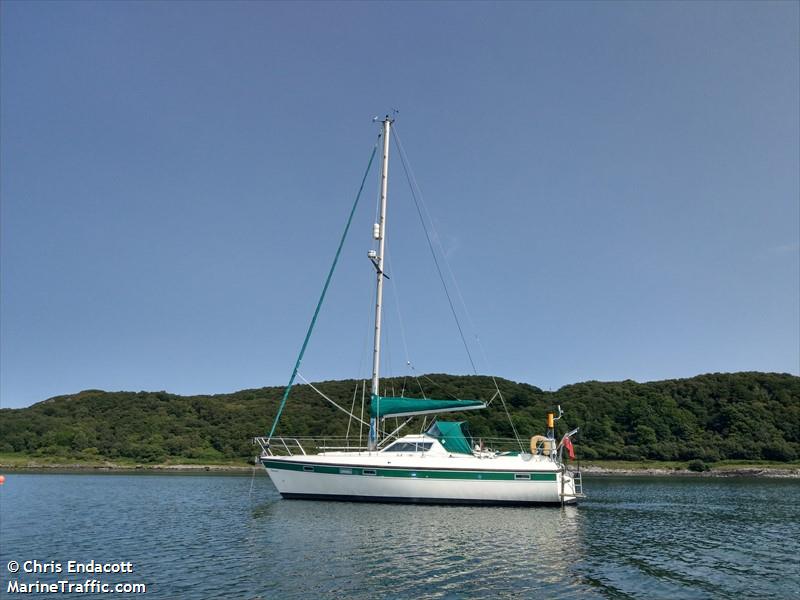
pixel 474 551
pixel 441 465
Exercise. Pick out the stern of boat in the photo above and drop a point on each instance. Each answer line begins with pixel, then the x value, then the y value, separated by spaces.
pixel 571 486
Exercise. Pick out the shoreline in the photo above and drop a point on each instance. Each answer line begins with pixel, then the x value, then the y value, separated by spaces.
pixel 117 468
pixel 723 471
pixel 790 471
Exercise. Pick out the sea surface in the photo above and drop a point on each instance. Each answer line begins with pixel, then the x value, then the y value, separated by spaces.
pixel 232 536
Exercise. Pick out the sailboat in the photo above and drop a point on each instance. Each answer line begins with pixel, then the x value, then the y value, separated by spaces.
pixel 440 465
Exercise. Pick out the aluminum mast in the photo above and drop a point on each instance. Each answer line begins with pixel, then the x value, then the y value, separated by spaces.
pixel 380 235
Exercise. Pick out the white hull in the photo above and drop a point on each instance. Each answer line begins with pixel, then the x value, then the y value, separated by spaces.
pixel 452 480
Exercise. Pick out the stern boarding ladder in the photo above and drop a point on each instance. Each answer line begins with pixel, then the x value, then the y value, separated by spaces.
pixel 577 480
pixel 577 485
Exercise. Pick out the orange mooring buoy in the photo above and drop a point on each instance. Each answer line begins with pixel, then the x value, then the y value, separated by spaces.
pixel 2 479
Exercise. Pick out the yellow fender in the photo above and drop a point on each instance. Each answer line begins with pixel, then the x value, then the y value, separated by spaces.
pixel 543 441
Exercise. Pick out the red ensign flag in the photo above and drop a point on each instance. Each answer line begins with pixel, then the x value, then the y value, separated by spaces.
pixel 570 449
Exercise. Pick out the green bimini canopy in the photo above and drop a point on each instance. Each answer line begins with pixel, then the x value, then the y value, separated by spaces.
pixel 453 435
pixel 386 406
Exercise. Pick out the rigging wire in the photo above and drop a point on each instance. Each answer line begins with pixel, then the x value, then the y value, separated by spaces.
pixel 377 202
pixel 438 385
pixel 344 410
pixel 361 420
pixel 322 296
pixel 413 184
pixel 367 327
pixel 252 481
pixel 394 285
pixel 471 323
pixel 433 251
pixel 352 408
pixel 387 371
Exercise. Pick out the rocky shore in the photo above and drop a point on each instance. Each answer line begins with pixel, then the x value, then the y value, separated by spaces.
pixel 788 472
pixel 118 468
pixel 754 471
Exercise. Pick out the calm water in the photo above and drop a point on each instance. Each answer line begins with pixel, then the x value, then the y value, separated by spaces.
pixel 197 536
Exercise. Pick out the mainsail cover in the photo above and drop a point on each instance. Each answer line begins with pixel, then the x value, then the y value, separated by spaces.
pixel 388 406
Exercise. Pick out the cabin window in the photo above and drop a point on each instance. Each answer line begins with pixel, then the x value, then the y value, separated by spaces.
pixel 522 476
pixel 369 471
pixel 308 468
pixel 409 447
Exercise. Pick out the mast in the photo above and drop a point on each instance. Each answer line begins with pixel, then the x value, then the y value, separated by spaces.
pixel 379 233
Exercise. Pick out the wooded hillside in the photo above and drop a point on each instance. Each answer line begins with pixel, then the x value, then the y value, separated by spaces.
pixel 748 416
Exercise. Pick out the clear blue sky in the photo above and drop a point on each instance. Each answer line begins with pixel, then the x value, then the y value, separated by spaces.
pixel 615 185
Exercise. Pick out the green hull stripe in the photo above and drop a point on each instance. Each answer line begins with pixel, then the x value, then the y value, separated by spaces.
pixel 411 473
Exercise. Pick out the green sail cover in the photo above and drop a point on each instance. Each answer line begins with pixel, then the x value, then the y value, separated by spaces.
pixel 452 435
pixel 387 406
